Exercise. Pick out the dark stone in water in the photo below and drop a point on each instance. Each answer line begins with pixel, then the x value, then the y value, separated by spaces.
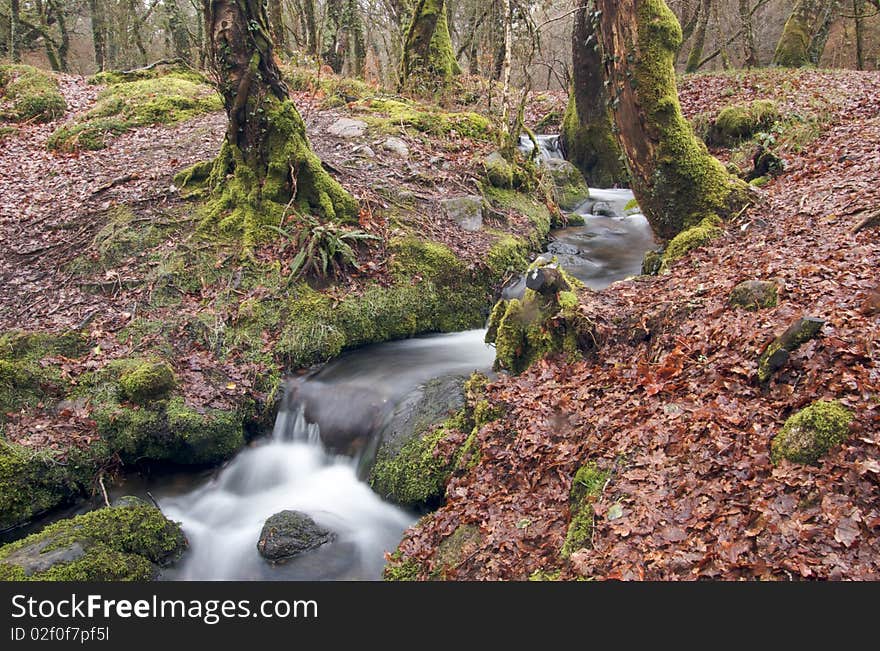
pixel 562 248
pixel 290 533
pixel 603 208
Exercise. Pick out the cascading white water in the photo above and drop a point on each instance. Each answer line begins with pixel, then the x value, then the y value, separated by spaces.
pixel 292 470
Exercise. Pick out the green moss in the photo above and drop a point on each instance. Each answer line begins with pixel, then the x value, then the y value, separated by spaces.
pixel 30 95
pixel 811 433
pixel 455 549
pixel 400 568
pixel 125 543
pixel 507 255
pixel 690 239
pixel 538 326
pixel 416 477
pixel 33 482
pixel 593 148
pixel 569 187
pixel 429 64
pixel 741 121
pixel 7 132
pixel 127 105
pixel 86 136
pixel 147 382
pixel 755 295
pixel 522 203
pixel 587 485
pixel 427 119
pixel 793 48
pixel 203 438
pixel 112 77
pixel 686 184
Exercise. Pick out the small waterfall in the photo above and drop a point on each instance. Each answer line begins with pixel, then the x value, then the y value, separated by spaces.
pixel 312 463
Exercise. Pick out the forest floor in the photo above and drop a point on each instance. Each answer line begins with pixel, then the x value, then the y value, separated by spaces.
pixel 670 406
pixel 669 403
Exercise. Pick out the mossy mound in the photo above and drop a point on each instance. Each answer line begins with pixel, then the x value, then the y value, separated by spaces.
pixel 426 119
pixel 741 121
pixel 148 381
pixel 415 474
pixel 545 322
pixel 34 482
pixel 123 543
pixel 811 433
pixel 755 295
pixel 691 239
pixel 112 77
pixel 130 104
pixel 569 187
pixel 587 485
pixel 29 95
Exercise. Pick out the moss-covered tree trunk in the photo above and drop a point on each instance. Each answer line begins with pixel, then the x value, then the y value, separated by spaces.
pixel 265 162
pixel 793 49
pixel 428 63
pixel 588 137
pixel 676 181
pixel 695 57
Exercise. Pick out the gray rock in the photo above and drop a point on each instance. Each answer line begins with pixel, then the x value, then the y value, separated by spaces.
pixel 363 151
pixel 347 128
pixel 755 295
pixel 420 411
pixel 397 147
pixel 562 248
pixel 289 533
pixel 603 208
pixel 465 211
pixel 32 559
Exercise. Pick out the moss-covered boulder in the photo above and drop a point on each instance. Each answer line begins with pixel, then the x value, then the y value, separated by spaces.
pixel 148 381
pixel 741 121
pixel 778 351
pixel 811 433
pixel 690 239
pixel 290 533
pixel 755 295
pixel 587 485
pixel 121 543
pixel 28 94
pixel 570 189
pixel 32 482
pixel 125 105
pixel 544 322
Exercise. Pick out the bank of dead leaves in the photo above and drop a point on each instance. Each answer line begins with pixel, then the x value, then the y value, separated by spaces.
pixel 670 404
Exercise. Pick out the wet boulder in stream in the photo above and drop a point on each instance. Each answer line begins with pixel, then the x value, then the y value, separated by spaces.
pixel 290 533
pixel 570 189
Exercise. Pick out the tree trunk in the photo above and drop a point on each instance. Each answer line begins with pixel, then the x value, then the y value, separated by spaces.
pixel 276 23
pixel 14 27
pixel 587 130
pixel 696 53
pixel 64 46
pixel 859 14
pixel 429 63
pixel 750 49
pixel 822 30
pixel 793 49
pixel 677 183
pixel 508 147
pixel 176 26
pixel 266 162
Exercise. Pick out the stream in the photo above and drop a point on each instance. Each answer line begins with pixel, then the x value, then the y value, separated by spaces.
pixel 330 422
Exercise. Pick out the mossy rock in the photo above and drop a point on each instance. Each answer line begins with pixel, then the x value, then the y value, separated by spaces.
pixel 755 295
pixel 690 239
pixel 123 543
pixel 810 433
pixel 400 568
pixel 587 485
pixel 427 119
pixel 30 95
pixel 570 188
pixel 147 382
pixel 34 482
pixel 179 71
pixel 127 105
pixel 741 121
pixel 455 549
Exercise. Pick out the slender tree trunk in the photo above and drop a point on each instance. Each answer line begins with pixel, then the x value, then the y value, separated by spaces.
pixel 429 63
pixel 696 52
pixel 178 35
pixel 507 146
pixel 587 130
pixel 64 45
pixel 750 49
pixel 822 30
pixel 276 23
pixel 793 49
pixel 676 181
pixel 859 13
pixel 266 162
pixel 14 28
